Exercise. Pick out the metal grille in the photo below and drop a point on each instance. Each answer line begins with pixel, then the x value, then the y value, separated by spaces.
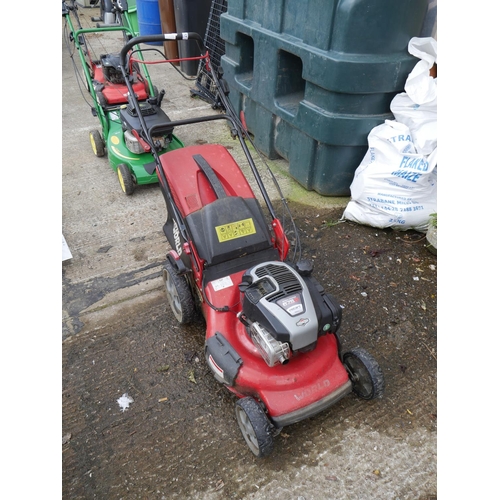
pixel 205 86
pixel 285 278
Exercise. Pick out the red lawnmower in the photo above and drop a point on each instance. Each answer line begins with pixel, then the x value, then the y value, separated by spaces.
pixel 271 328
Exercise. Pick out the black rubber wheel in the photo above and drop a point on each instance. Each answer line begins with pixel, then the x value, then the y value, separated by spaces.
pixel 126 180
pixel 365 373
pixel 255 426
pixel 179 295
pixel 97 143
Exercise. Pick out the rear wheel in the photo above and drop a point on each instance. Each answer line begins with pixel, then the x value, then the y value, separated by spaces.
pixel 255 426
pixel 365 373
pixel 97 143
pixel 126 180
pixel 179 295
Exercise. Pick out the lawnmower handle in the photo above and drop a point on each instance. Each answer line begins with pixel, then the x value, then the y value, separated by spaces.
pixel 165 37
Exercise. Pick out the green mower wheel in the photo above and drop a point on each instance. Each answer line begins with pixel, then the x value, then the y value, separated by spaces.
pixel 97 143
pixel 126 180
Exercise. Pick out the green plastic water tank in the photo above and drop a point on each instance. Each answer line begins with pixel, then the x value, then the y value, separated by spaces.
pixel 314 77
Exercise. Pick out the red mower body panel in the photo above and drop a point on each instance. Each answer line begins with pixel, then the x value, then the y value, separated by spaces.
pixel 116 93
pixel 189 186
pixel 306 385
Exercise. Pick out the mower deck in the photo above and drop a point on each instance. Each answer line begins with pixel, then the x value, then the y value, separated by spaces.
pixel 309 383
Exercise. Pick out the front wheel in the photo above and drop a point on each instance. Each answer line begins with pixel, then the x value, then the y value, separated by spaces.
pixel 126 180
pixel 365 373
pixel 255 426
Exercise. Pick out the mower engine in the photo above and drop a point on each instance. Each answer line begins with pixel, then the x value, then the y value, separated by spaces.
pixel 285 310
pixel 156 120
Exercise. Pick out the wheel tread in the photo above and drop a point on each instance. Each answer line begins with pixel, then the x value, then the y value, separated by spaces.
pixel 97 143
pixel 188 308
pixel 373 368
pixel 128 186
pixel 262 427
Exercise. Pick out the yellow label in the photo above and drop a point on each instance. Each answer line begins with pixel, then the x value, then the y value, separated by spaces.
pixel 235 230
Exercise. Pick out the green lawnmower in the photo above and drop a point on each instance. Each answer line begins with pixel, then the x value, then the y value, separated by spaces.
pixel 118 137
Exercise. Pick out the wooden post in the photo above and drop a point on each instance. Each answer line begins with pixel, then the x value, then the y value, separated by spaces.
pixel 167 16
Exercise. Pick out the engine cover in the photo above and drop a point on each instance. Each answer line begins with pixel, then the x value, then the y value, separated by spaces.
pixel 153 115
pixel 292 308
